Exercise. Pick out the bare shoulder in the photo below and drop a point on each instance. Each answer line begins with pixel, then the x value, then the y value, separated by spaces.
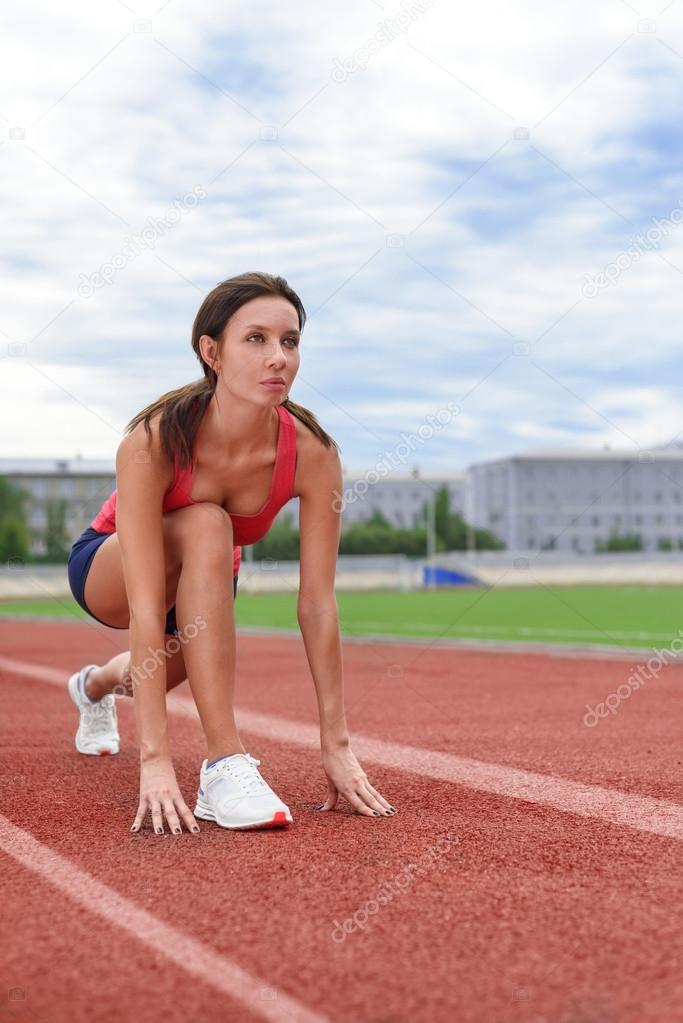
pixel 140 448
pixel 317 465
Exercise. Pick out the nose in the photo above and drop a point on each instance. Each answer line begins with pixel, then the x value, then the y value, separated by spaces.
pixel 276 357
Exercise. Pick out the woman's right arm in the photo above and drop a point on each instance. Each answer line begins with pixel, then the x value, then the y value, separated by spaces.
pixel 142 475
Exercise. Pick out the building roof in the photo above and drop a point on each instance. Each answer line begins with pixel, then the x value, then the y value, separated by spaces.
pixel 407 475
pixel 57 467
pixel 671 453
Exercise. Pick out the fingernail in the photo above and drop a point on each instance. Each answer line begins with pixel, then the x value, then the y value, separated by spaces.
pixel 132 827
pixel 376 813
pixel 176 831
pixel 159 831
pixel 195 828
pixel 393 808
pixel 320 807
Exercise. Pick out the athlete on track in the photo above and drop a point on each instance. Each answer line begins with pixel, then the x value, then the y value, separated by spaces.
pixel 190 472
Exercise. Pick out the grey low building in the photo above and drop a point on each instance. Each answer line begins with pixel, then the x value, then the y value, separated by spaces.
pixel 399 496
pixel 566 500
pixel 82 483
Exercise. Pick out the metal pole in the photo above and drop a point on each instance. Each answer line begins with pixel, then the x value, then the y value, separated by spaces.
pixel 431 539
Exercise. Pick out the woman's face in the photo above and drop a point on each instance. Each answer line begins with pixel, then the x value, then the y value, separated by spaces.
pixel 260 341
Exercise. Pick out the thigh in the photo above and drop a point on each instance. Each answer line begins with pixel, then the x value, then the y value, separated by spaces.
pixel 104 591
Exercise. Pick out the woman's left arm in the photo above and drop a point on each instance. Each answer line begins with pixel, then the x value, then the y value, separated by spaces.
pixel 320 502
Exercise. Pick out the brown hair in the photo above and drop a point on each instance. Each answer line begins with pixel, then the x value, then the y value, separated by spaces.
pixel 182 409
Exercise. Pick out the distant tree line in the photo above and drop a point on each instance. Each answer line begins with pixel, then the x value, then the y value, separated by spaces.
pixel 15 536
pixel 376 535
pixel 634 542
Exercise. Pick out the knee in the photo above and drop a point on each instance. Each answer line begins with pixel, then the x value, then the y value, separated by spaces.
pixel 207 531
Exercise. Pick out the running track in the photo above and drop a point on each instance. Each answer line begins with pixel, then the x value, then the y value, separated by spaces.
pixel 556 899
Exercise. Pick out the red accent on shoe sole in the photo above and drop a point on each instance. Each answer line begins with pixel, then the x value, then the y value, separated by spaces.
pixel 278 821
pixel 104 752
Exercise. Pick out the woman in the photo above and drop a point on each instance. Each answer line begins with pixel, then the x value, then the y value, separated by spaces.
pixel 192 473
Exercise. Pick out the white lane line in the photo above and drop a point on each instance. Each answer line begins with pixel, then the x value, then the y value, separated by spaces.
pixel 521 630
pixel 197 959
pixel 643 813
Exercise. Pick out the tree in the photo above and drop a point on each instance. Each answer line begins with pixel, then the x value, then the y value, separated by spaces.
pixel 451 528
pixel 14 535
pixel 281 542
pixel 56 540
pixel 619 542
pixel 14 539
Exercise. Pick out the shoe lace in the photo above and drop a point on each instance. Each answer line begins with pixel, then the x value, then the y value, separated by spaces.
pixel 245 770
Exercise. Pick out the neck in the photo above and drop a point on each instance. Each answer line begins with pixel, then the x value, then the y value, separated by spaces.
pixel 239 427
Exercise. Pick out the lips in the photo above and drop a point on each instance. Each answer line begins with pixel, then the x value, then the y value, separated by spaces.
pixel 273 380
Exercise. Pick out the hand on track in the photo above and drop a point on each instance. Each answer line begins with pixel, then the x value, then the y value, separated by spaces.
pixel 347 778
pixel 159 793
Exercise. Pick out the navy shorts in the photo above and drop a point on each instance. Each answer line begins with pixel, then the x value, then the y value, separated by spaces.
pixel 80 559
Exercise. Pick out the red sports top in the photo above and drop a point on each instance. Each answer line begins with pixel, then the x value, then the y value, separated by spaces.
pixel 247 529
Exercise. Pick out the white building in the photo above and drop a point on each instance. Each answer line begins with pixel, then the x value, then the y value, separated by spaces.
pixel 566 500
pixel 399 496
pixel 83 483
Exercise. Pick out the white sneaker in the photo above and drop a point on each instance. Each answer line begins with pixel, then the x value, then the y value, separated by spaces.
pixel 234 795
pixel 98 732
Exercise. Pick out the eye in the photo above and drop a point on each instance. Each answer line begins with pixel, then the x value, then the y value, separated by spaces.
pixel 293 341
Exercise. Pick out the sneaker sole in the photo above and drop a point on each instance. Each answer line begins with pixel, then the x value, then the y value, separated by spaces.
pixel 278 820
pixel 97 752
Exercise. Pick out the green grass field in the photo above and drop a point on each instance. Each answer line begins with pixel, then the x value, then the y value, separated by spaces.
pixel 638 616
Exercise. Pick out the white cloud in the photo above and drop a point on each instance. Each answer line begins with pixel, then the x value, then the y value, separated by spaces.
pixel 404 148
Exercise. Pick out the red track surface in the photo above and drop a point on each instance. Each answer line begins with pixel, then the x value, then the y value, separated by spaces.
pixel 535 914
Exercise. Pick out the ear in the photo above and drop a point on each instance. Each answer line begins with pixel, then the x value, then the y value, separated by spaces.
pixel 208 348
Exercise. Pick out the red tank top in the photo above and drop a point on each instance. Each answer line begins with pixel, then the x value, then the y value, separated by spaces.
pixel 247 529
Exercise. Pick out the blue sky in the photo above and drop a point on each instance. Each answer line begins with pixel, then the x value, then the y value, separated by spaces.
pixel 438 211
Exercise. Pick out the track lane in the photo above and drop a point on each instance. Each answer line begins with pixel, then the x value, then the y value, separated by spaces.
pixel 534 912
